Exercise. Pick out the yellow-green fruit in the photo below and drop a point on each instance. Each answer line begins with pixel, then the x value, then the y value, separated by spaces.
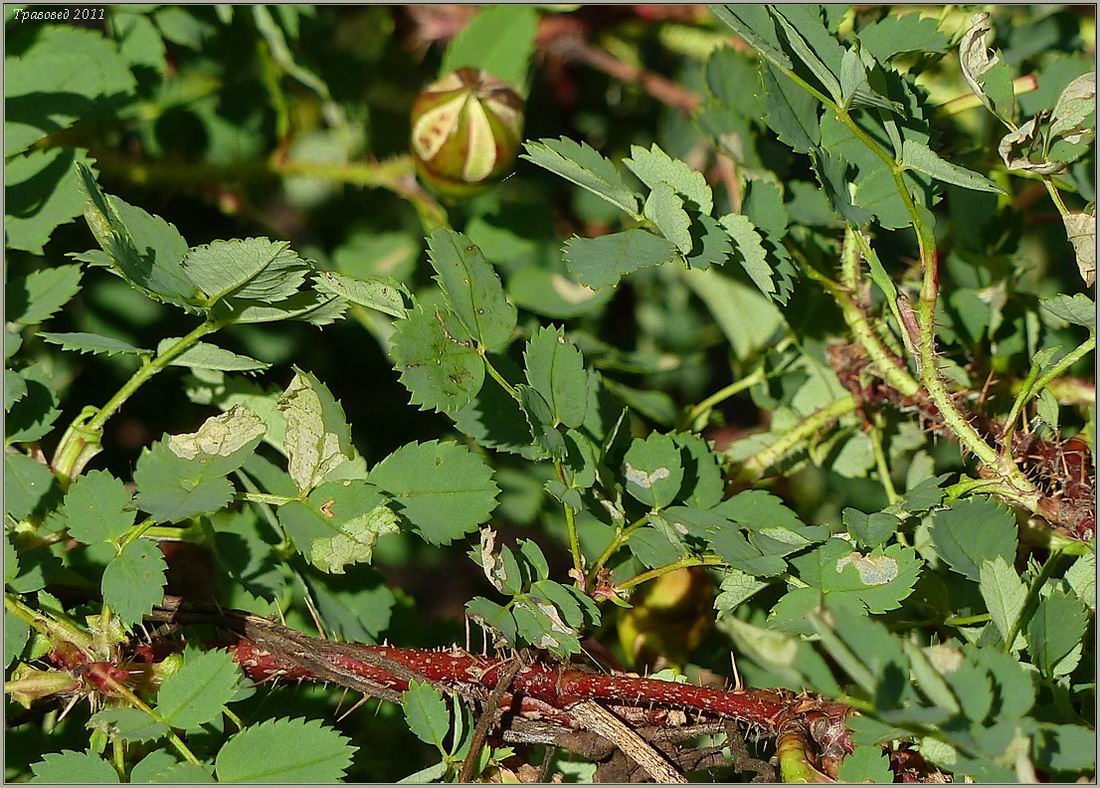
pixel 669 618
pixel 466 130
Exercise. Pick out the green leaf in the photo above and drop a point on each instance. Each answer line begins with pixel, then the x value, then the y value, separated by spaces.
pixel 338 524
pixel 161 767
pixel 93 343
pixel 973 531
pixel 865 764
pixel 919 157
pixel 653 470
pixel 500 40
pixel 33 415
pixel 34 298
pixel 426 714
pixel 173 488
pixel 737 588
pixel 52 82
pixel 747 318
pixel 987 75
pixel 129 724
pixel 1004 594
pixel 1078 309
pixel 139 42
pixel 494 419
pixel 26 484
pixel 1082 579
pixel 376 292
pixel 655 167
pixel 813 44
pixel 792 112
pixel 440 367
pixel 754 24
pixel 1076 103
pixel 197 693
pixel 144 249
pixel 602 261
pixel 284 751
pixel 134 580
pixel 317 437
pixel 759 510
pixel 357 605
pixel 95 508
pixel 553 294
pixel 665 209
pixel 540 420
pixel 16 630
pixel 873 529
pixel 15 388
pixel 704 479
pixel 750 251
pixel 445 491
pixel 472 288
pixel 1056 627
pixel 897 34
pixel 880 579
pixel 252 269
pixel 555 368
pixel 203 355
pixel 69 767
pixel 41 193
pixel 580 164
pixel 492 615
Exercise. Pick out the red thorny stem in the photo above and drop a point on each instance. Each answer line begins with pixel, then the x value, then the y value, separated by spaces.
pixel 539 691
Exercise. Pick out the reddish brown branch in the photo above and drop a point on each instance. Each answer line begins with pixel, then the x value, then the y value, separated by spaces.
pixel 538 692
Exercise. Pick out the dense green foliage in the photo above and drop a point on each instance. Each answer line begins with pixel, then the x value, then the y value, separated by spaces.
pixel 780 349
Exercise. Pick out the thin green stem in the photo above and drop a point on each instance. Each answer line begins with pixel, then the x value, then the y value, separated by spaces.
pixel 1065 362
pixel 53 630
pixel 268 498
pixel 754 466
pixel 966 621
pixel 495 375
pixel 733 389
pixel 683 563
pixel 81 441
pixel 622 536
pixel 881 463
pixel 888 366
pixel 1032 597
pixel 136 531
pixel 127 695
pixel 1055 195
pixel 571 528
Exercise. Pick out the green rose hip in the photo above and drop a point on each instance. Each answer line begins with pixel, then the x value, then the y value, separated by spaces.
pixel 466 130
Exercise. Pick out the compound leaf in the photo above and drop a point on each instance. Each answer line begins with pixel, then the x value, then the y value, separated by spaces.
pixel 580 164
pixel 555 368
pixel 34 298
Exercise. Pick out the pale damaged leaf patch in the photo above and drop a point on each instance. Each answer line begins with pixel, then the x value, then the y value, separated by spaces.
pixel 1075 104
pixel 219 436
pixel 318 439
pixel 490 562
pixel 874 570
pixel 1015 146
pixel 356 543
pixel 976 58
pixel 644 479
pixel 1081 231
pixel 571 291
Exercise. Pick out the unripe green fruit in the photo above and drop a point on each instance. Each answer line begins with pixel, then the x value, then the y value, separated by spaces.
pixel 466 130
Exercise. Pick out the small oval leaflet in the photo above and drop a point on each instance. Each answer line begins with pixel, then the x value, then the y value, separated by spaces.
pixel 874 570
